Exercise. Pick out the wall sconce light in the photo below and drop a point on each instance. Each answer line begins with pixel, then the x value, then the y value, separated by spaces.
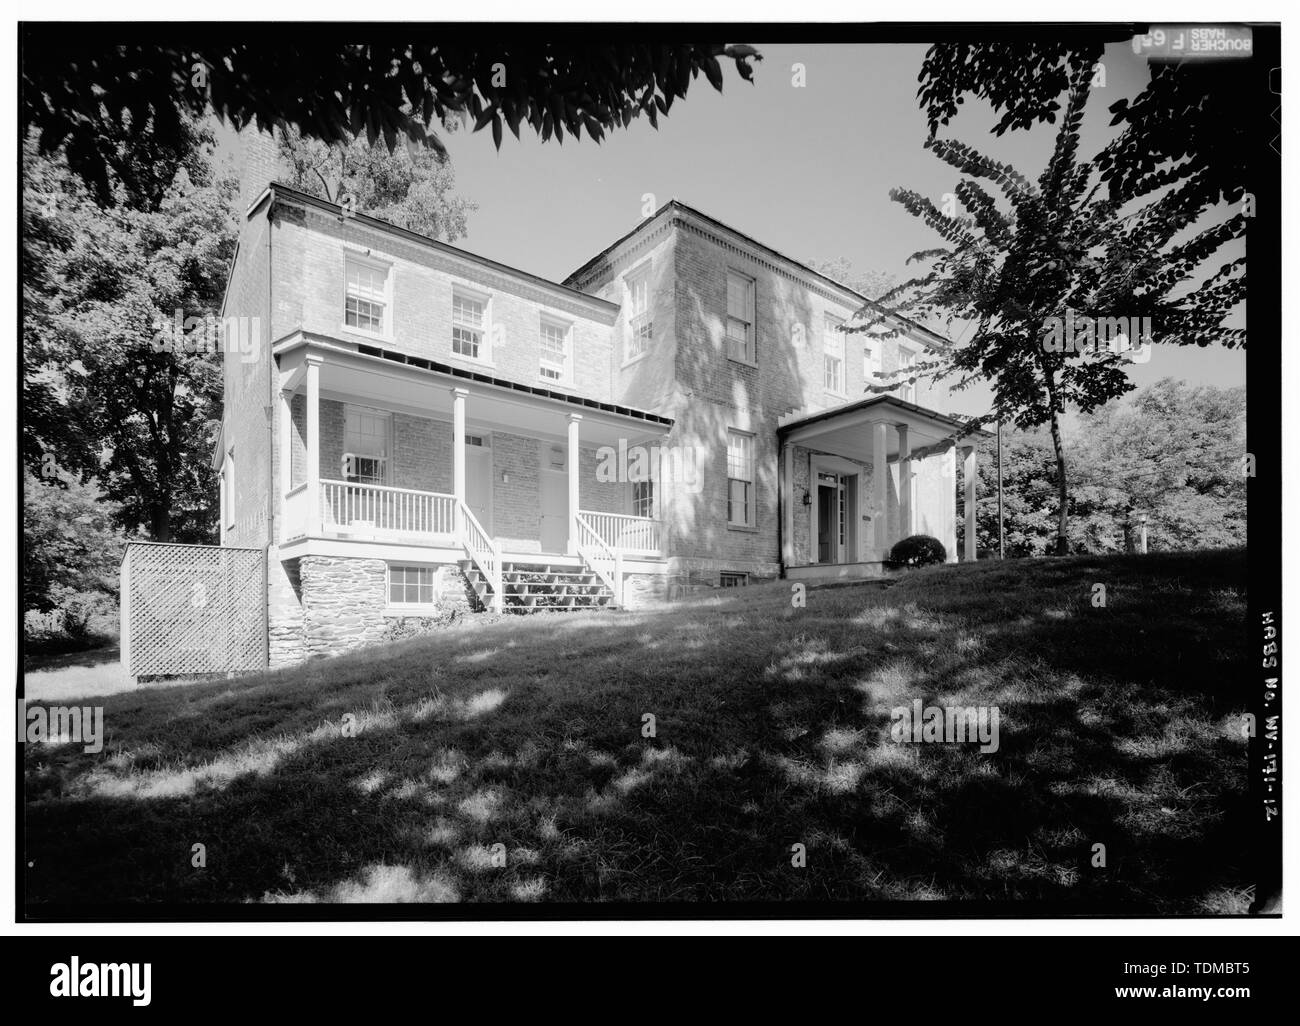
pixel 505 478
pixel 807 497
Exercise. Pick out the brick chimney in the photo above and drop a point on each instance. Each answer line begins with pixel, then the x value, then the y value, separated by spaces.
pixel 260 160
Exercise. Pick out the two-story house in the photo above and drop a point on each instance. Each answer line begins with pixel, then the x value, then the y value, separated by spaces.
pixel 419 427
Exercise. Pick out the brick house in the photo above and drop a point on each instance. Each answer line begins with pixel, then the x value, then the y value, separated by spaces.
pixel 418 428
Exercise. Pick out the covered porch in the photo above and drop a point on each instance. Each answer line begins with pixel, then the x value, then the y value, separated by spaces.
pixel 858 477
pixel 385 454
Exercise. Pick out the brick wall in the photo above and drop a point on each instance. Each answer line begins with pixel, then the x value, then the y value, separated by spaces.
pixel 311 247
pixel 719 394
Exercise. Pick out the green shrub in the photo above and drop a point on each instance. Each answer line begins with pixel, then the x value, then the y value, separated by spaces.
pixel 917 550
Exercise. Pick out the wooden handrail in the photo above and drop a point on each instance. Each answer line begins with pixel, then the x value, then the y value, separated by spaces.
pixel 482 550
pixel 598 555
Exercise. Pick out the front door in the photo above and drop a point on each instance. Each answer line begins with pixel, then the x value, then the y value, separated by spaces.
pixel 836 537
pixel 478 479
pixel 827 520
pixel 554 529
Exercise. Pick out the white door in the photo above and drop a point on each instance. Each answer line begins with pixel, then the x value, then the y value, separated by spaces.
pixel 554 528
pixel 478 478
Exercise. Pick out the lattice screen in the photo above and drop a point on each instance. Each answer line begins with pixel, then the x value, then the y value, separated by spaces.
pixel 192 609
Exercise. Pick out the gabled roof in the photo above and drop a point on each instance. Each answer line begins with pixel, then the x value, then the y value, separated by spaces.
pixel 675 207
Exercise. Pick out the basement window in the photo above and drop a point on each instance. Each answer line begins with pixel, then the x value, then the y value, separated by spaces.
pixel 410 585
pixel 732 579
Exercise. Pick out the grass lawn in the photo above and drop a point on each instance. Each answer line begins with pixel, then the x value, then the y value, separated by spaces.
pixel 390 774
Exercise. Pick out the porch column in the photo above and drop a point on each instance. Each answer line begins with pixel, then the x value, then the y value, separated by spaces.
pixel 972 482
pixel 313 444
pixel 458 442
pixel 286 457
pixel 880 487
pixel 904 483
pixel 575 492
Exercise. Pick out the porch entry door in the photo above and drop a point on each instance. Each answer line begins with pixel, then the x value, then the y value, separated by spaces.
pixel 836 540
pixel 553 516
pixel 554 529
pixel 478 478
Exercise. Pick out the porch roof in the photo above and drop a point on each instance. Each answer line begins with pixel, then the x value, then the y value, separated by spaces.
pixel 840 429
pixel 396 380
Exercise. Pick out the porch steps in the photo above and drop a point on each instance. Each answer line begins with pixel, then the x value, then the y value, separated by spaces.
pixel 541 587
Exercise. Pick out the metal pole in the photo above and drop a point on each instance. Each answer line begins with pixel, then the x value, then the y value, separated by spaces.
pixel 1001 544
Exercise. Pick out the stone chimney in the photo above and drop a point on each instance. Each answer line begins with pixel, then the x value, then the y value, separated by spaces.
pixel 260 160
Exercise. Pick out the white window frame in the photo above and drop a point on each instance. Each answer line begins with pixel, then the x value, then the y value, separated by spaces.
pixel 833 349
pixel 749 354
pixel 484 299
pixel 350 259
pixel 639 325
pixel 750 520
pixel 351 448
pixel 646 496
pixel 228 490
pixel 907 357
pixel 565 365
pixel 403 605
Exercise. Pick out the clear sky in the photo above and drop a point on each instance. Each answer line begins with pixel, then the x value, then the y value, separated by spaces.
pixel 806 170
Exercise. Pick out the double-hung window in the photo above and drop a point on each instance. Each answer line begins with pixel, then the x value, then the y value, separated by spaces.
pixel 640 317
pixel 833 355
pixel 906 367
pixel 740 479
pixel 740 317
pixel 366 444
pixel 555 339
pixel 365 305
pixel 228 490
pixel 643 499
pixel 468 326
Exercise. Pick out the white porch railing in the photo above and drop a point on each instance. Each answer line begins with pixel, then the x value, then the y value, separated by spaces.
pixel 607 562
pixel 482 550
pixel 351 507
pixel 633 536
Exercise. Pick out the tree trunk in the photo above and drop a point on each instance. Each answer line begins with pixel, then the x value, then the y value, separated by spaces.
pixel 161 526
pixel 1062 491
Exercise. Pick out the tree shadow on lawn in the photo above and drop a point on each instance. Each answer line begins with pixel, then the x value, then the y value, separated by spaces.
pixel 771 730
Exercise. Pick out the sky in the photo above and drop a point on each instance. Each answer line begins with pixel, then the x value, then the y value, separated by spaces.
pixel 804 169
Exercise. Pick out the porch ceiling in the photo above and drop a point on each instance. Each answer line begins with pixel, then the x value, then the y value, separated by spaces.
pixel 350 376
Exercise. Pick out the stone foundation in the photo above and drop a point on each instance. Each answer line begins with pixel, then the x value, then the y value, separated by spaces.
pixel 343 603
pixel 325 605
pixel 284 612
pixel 640 590
pixel 690 575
